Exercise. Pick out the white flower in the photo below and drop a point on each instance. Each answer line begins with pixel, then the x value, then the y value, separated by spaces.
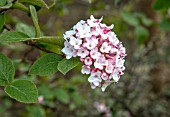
pixel 69 51
pixel 94 53
pixel 94 22
pixel 105 84
pixel 120 63
pixel 85 69
pixel 100 62
pixel 90 43
pixel 68 34
pixel 122 51
pixel 78 25
pixel 95 31
pixel 109 68
pixel 95 78
pixel 112 38
pixel 104 34
pixel 83 30
pixel 114 50
pixel 104 76
pixel 115 75
pixel 92 85
pixel 82 52
pixel 105 47
pixel 75 42
pixel 107 27
pixel 88 61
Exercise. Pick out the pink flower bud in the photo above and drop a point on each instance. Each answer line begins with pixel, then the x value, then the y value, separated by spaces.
pixel 40 99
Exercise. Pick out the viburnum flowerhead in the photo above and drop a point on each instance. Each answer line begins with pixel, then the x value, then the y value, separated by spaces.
pixel 99 49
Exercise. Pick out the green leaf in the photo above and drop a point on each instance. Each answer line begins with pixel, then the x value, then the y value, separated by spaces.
pixel 67 64
pixel 161 4
pixel 26 29
pixel 46 65
pixel 142 34
pixel 51 47
pixel 35 111
pixel 62 95
pixel 165 24
pixel 23 91
pixel 13 36
pixel 2 21
pixel 146 21
pixel 7 70
pixel 46 91
pixel 59 41
pixel 77 98
pixel 17 5
pixel 90 1
pixel 40 3
pixel 130 19
pixel 35 20
pixel 5 4
pixel 2 2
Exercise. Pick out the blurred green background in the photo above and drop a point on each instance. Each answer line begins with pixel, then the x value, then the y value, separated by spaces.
pixel 143 91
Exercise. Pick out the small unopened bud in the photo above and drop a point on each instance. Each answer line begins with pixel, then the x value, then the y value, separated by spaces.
pixel 40 99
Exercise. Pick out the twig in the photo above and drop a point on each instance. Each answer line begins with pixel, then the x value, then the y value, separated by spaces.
pixel 3 10
pixel 6 27
pixel 31 43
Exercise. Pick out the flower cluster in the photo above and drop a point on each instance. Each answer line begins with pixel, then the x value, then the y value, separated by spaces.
pixel 98 48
